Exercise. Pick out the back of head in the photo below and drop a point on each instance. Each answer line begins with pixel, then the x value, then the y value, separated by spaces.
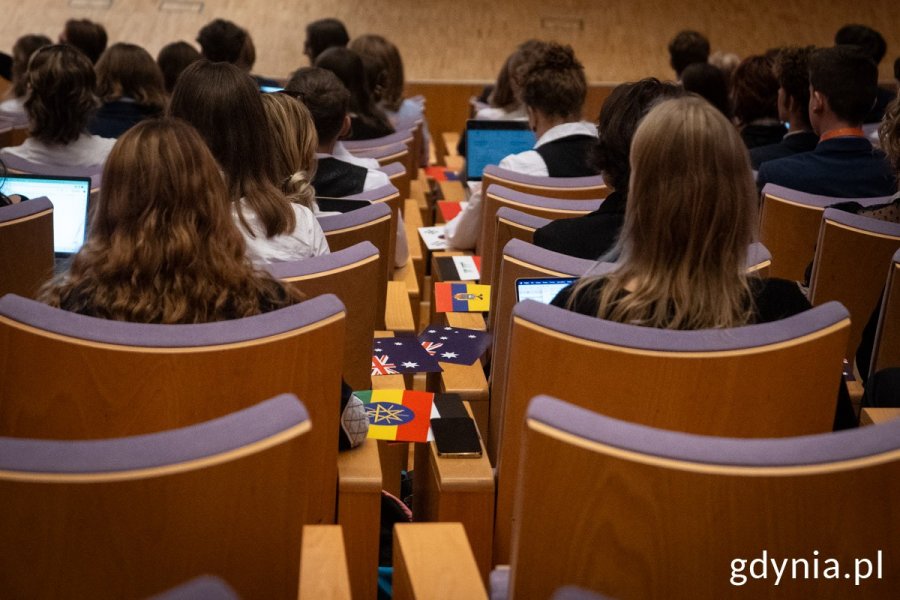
pixel 349 68
pixel 690 217
pixel 322 35
pixel 889 134
pixel 293 135
pixel 792 72
pixel 847 78
pixel 223 103
pixel 22 51
pixel 163 247
pixel 754 90
pixel 708 82
pixel 555 84
pixel 129 70
pixel 507 92
pixel 63 85
pixel 384 67
pixel 222 41
pixel 869 41
pixel 686 48
pixel 173 59
pixel 619 118
pixel 87 36
pixel 326 98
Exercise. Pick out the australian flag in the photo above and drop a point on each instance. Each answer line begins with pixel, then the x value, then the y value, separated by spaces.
pixel 401 355
pixel 454 345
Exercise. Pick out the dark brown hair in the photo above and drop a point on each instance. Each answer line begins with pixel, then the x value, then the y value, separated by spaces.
pixel 754 90
pixel 686 48
pixel 129 70
pixel 555 83
pixel 348 66
pixel 222 41
pixel 847 78
pixel 792 72
pixel 22 51
pixel 322 35
pixel 163 247
pixel 326 98
pixel 223 103
pixel 62 97
pixel 87 36
pixel 173 59
pixel 384 68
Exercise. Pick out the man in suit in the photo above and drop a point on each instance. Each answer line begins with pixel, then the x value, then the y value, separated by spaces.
pixel 792 72
pixel 843 84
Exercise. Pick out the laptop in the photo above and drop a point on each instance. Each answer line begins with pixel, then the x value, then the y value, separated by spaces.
pixel 541 289
pixel 489 142
pixel 70 198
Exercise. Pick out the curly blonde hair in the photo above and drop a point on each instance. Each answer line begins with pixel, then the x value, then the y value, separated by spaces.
pixel 889 133
pixel 163 247
pixel 294 138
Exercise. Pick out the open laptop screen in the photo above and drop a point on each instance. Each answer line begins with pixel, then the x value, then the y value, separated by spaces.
pixel 69 196
pixel 543 289
pixel 488 142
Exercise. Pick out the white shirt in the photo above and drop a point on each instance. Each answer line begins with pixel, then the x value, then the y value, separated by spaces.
pixel 463 230
pixel 12 113
pixel 340 152
pixel 86 151
pixel 307 239
pixel 491 113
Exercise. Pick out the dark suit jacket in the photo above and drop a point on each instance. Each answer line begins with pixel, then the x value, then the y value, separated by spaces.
pixel 589 236
pixel 116 117
pixel 845 167
pixel 803 141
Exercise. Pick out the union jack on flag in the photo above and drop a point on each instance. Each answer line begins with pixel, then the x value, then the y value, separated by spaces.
pixel 431 347
pixel 381 366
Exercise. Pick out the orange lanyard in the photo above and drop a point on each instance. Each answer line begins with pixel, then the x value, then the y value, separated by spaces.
pixel 843 132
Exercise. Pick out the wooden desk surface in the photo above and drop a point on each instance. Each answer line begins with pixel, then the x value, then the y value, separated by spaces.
pixel 874 416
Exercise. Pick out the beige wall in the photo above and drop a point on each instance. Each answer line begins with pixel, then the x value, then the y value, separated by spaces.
pixel 467 40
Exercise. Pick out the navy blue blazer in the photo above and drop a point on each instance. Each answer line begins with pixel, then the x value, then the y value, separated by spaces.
pixel 844 167
pixel 795 143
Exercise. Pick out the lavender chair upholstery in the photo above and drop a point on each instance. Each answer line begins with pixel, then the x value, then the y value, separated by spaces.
pixel 572 188
pixel 382 152
pixel 653 513
pixel 886 353
pixel 706 381
pixel 350 274
pixel 789 225
pixel 404 136
pixel 494 234
pixel 70 376
pixel 759 259
pixel 26 245
pixel 127 517
pixel 853 256
pixel 374 224
pixel 205 587
pixel 17 164
pixel 399 176
pixel 571 592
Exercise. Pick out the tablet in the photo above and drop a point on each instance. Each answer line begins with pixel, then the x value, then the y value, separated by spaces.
pixel 489 142
pixel 541 289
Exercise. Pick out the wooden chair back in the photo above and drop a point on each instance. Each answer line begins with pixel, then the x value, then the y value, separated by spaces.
pixel 396 172
pixel 350 274
pixel 498 196
pixel 708 382
pixel 566 188
pixel 789 227
pixel 26 243
pixel 131 517
pixel 853 255
pixel 390 196
pixel 650 512
pixel 374 224
pixel 886 353
pixel 69 376
pixel 405 135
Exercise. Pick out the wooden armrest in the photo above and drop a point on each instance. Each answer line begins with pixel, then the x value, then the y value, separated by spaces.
pixel 397 312
pixel 457 489
pixel 874 416
pixel 433 561
pixel 323 564
pixel 359 511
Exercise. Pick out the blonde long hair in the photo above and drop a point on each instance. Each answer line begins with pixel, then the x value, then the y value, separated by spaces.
pixel 163 247
pixel 690 217
pixel 294 138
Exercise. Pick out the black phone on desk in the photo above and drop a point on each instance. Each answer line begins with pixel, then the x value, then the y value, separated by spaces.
pixel 456 437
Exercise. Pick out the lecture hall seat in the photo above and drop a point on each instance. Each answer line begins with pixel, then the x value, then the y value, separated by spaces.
pixel 16 164
pixel 26 245
pixel 886 352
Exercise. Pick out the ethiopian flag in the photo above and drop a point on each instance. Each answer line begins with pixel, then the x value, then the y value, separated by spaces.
pixel 398 415
pixel 461 297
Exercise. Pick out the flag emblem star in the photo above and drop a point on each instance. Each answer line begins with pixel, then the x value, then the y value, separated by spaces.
pixel 443 337
pixel 384 413
pixel 472 337
pixel 409 365
pixel 398 343
pixel 448 328
pixel 449 354
pixel 382 366
pixel 432 331
pixel 431 347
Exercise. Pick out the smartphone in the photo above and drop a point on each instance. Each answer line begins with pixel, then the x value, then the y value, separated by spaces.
pixel 456 437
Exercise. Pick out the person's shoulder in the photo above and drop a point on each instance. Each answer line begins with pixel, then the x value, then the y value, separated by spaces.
pixel 376 179
pixel 527 163
pixel 776 299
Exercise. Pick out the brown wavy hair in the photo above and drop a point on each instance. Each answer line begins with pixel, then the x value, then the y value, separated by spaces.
pixel 62 98
pixel 129 70
pixel 381 56
pixel 690 218
pixel 25 46
pixel 163 247
pixel 555 83
pixel 293 135
pixel 223 103
pixel 889 133
pixel 754 90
